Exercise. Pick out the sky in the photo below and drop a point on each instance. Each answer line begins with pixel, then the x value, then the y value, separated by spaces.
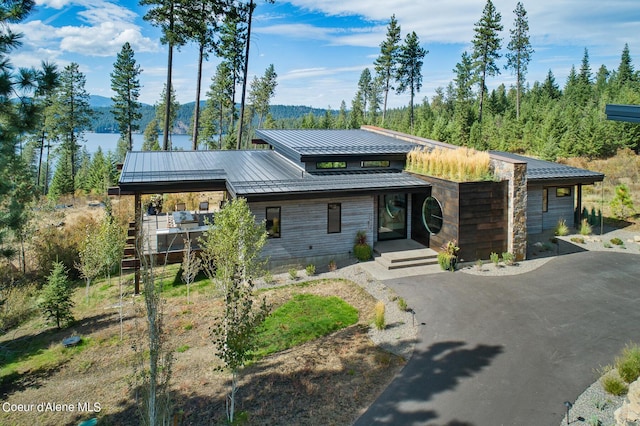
pixel 319 48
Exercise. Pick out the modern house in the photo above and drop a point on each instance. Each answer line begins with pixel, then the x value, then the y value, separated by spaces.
pixel 315 189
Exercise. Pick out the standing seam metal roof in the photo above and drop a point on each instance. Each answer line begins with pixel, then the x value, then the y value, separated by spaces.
pixel 547 170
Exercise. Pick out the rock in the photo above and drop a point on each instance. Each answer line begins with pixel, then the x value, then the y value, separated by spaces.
pixel 629 413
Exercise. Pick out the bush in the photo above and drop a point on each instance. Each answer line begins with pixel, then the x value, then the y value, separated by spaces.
pixel 362 250
pixel 293 273
pixel 614 385
pixel 578 240
pixel 561 229
pixel 617 241
pixel 268 277
pixel 379 315
pixel 332 265
pixel 448 257
pixel 628 363
pixel 495 258
pixel 402 304
pixel 310 269
pixel 585 228
pixel 508 258
pixel 622 203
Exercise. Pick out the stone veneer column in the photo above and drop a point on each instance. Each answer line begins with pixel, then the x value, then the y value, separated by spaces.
pixel 516 173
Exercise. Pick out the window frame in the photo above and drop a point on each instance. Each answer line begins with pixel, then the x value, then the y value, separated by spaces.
pixel 370 164
pixel 270 232
pixel 545 200
pixel 563 191
pixel 331 165
pixel 329 222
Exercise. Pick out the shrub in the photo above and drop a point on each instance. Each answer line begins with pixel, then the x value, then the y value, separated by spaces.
pixel 379 315
pixel 362 250
pixel 585 228
pixel 402 304
pixel 293 273
pixel 617 241
pixel 448 257
pixel 622 203
pixel 479 264
pixel 628 363
pixel 578 240
pixel 508 258
pixel 607 245
pixel 594 421
pixel 332 265
pixel 614 385
pixel 561 229
pixel 310 269
pixel 495 258
pixel 268 277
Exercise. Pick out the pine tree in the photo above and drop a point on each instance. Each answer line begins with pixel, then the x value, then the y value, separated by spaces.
pixel 520 51
pixel 70 115
pixel 625 69
pixel 55 299
pixel 126 85
pixel 260 94
pixel 161 109
pixel 409 72
pixel 386 62
pixel 365 90
pixel 218 111
pixel 486 47
pixel 463 94
pixel 151 134
pixel 341 121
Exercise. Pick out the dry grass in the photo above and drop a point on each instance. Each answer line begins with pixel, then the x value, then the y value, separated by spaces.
pixel 327 381
pixel 459 165
pixel 622 168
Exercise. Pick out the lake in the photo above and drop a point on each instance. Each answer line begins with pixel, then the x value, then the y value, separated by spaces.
pixel 109 141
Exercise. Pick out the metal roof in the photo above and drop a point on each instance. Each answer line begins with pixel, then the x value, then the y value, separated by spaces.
pixel 541 170
pixel 306 145
pixel 630 113
pixel 251 174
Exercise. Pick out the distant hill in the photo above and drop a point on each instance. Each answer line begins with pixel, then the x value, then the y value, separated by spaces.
pixel 103 122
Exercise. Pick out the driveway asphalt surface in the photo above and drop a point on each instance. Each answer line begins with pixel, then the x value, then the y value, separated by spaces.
pixel 510 350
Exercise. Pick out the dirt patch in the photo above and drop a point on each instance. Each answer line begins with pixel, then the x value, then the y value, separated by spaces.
pixel 331 380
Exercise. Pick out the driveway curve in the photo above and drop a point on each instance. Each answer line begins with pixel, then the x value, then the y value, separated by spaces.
pixel 510 350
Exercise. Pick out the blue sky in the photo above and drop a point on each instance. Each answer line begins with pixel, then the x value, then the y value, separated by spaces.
pixel 320 47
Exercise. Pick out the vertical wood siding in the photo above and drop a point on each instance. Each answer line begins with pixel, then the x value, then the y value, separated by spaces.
pixel 559 208
pixel 534 209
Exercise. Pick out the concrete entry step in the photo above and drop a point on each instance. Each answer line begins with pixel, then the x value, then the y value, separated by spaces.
pixel 396 254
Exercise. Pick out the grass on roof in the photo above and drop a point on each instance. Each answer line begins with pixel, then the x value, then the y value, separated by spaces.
pixel 458 165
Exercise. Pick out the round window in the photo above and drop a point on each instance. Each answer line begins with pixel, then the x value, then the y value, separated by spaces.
pixel 432 215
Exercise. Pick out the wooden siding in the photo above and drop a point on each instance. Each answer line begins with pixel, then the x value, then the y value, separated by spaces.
pixel 474 215
pixel 304 227
pixel 534 209
pixel 558 208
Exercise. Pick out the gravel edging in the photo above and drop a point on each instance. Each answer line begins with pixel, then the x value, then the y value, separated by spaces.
pixel 594 404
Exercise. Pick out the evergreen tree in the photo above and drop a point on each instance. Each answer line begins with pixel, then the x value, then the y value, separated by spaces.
pixel 463 94
pixel 55 299
pixel 327 119
pixel 261 92
pixel 201 21
pixel 167 14
pixel 70 114
pixel 520 51
pixel 365 90
pixel 161 109
pixel 48 81
pixel 486 47
pixel 386 62
pixel 625 69
pixel 151 134
pixel 409 73
pixel 126 85
pixel 356 115
pixel 550 88
pixel 341 121
pixel 218 112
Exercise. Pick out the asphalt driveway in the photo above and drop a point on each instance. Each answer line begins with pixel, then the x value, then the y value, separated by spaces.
pixel 510 350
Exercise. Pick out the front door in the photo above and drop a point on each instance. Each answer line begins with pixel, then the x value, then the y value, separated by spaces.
pixel 419 231
pixel 392 217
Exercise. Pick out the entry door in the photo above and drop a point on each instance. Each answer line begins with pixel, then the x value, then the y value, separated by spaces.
pixel 419 231
pixel 392 217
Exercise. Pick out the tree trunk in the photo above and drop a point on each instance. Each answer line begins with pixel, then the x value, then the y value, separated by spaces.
pixel 167 101
pixel 196 111
pixel 245 72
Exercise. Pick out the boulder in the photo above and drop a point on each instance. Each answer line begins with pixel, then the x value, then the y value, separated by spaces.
pixel 629 413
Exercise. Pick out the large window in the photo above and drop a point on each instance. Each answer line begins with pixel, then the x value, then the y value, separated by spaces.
pixel 334 218
pixel 273 222
pixel 432 215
